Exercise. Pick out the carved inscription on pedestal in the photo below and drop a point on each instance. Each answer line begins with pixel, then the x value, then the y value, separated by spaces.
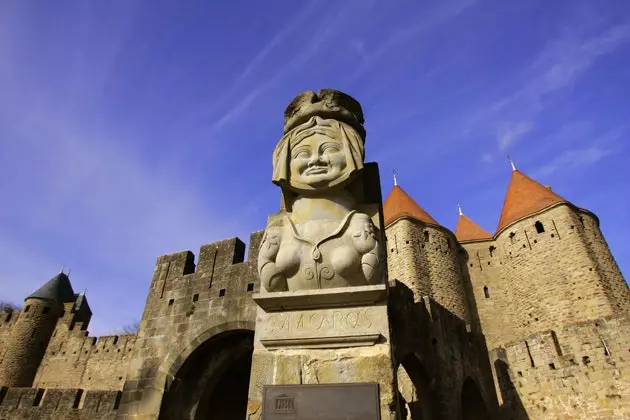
pixel 323 328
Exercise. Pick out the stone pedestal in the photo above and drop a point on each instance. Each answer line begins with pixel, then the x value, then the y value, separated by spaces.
pixel 331 336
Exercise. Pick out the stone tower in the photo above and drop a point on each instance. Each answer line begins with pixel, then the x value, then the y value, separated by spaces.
pixel 423 255
pixel 33 330
pixel 547 265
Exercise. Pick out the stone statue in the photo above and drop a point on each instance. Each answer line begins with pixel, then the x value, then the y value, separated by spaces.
pixel 320 239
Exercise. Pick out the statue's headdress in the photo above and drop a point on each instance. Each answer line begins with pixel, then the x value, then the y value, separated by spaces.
pixel 327 103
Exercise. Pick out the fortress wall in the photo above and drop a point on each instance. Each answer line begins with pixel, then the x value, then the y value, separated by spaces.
pixel 551 275
pixel 431 342
pixel 461 354
pixel 447 282
pixel 403 262
pixel 491 296
pixel 27 342
pixel 7 321
pixel 73 359
pixel 185 302
pixel 612 280
pixel 579 372
pixel 425 258
pixel 67 404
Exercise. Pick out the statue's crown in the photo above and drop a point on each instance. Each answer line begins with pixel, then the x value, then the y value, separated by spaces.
pixel 327 103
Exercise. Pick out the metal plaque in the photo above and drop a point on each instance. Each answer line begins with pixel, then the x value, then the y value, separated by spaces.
pixel 321 402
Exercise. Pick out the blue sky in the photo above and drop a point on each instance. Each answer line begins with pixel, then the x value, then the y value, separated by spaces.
pixel 131 129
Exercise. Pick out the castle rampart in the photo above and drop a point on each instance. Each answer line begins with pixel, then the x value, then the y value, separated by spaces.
pixel 185 301
pixel 614 285
pixel 546 267
pixel 67 404
pixel 578 371
pixel 491 297
pixel 424 257
pixel 27 341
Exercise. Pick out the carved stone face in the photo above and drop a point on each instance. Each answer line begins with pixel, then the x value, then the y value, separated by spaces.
pixel 317 160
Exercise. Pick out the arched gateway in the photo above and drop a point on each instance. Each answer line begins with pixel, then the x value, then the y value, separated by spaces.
pixel 213 380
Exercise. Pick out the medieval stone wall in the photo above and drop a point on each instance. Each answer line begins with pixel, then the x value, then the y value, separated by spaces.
pixel 492 297
pixel 424 257
pixel 186 306
pixel 67 404
pixel 547 278
pixel 27 341
pixel 436 353
pixel 613 282
pixel 75 360
pixel 579 371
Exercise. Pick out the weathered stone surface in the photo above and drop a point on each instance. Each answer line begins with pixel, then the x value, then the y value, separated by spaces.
pixel 329 298
pixel 328 328
pixel 319 240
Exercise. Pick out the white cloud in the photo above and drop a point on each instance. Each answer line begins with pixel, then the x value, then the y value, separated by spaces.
pixel 510 133
pixel 572 159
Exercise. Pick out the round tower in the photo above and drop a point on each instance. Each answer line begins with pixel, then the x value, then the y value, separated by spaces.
pixel 32 331
pixel 422 254
pixel 556 265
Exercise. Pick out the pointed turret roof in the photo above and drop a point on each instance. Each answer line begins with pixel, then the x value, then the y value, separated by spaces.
pixel 399 204
pixel 58 288
pixel 524 197
pixel 467 230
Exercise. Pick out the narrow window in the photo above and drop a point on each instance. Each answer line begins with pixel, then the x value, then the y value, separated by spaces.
pixel 170 302
pixel 27 308
pixel 539 227
pixel 250 287
pixel 486 292
pixel 195 297
pixel 222 292
pixel 38 398
pixel 115 340
pixel 512 237
pixel 492 249
pixel 46 310
pixel 78 398
pixel 117 401
pixel 426 236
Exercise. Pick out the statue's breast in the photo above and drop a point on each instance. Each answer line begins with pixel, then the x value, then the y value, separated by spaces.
pixel 313 259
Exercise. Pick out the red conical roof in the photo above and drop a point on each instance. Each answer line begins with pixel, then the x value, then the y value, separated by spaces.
pixel 524 197
pixel 467 230
pixel 399 204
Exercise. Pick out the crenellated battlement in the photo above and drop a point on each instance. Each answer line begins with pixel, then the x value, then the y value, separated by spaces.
pixel 583 358
pixel 21 403
pixel 213 256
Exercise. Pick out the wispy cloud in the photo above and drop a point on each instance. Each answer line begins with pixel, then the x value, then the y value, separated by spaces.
pixel 510 133
pixel 276 41
pixel 573 159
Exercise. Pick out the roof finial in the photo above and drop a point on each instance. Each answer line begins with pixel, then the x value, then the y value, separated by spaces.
pixel 61 269
pixel 459 208
pixel 68 274
pixel 395 179
pixel 511 163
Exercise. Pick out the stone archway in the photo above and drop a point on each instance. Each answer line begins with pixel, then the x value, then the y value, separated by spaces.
pixel 213 381
pixel 414 389
pixel 473 405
